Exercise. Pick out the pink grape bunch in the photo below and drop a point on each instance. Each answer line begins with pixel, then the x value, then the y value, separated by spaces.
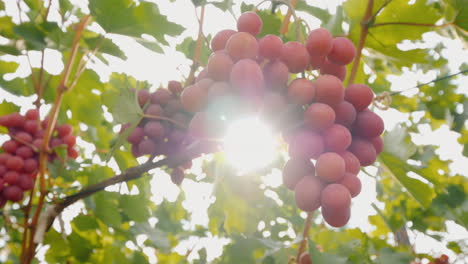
pixel 163 130
pixel 19 156
pixel 334 126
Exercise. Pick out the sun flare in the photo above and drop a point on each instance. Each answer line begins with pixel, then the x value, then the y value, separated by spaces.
pixel 249 144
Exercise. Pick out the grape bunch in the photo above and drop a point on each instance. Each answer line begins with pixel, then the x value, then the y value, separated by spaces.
pixel 319 119
pixel 19 159
pixel 163 130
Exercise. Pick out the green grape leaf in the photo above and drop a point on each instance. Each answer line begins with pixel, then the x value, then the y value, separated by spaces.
pixel 105 46
pixel 35 38
pixel 8 108
pixel 324 258
pixel 107 209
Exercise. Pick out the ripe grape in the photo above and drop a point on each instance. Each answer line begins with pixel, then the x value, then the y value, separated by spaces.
pixel 219 89
pixel 31 126
pixel 249 22
pixel 352 183
pixel 16 120
pixel 177 176
pixel 242 46
pixel 295 56
pixel 338 71
pixel 23 137
pixel 307 193
pixel 30 165
pixel 378 144
pixel 329 90
pixel 10 146
pixel 15 163
pixel 319 42
pixel 154 110
pixel 360 95
pixel 136 135
pixel 319 116
pixel 316 62
pixel 345 114
pixel 13 193
pixel 154 129
pixel 143 97
pixel 368 124
pixel 352 163
pixel 364 151
pixel 219 66
pixel 219 40
pixel 270 46
pixel 11 177
pixel 161 96
pixel 247 78
pixel 70 140
pixel 306 145
pixel 32 114
pixel 276 75
pixel 335 196
pixel 24 152
pixel 301 91
pixel 336 217
pixel 295 169
pixel 3 170
pixel 305 258
pixel 337 138
pixel 330 167
pixel 194 97
pixel 64 130
pixel 146 146
pixel 342 52
pixel 25 182
pixel 175 87
pixel 4 157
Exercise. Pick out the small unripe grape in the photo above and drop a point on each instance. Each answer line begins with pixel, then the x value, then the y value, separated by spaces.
pixel 342 52
pixel 329 90
pixel 330 167
pixel 242 46
pixel 13 193
pixel 352 183
pixel 270 46
pixel 319 116
pixel 301 91
pixel 295 56
pixel 319 42
pixel 294 170
pixel 307 193
pixel 359 95
pixel 219 40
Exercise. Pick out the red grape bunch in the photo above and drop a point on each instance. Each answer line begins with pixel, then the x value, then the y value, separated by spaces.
pixel 163 130
pixel 329 124
pixel 19 156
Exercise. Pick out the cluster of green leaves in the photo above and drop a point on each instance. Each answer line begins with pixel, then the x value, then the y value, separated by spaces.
pixel 261 221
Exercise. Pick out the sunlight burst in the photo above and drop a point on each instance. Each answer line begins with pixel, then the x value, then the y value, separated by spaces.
pixel 249 144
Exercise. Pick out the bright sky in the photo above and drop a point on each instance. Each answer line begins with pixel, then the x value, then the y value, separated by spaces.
pixel 161 68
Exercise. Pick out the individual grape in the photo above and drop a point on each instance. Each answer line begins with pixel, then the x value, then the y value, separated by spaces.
pixel 242 46
pixel 219 66
pixel 219 40
pixel 368 124
pixel 359 95
pixel 336 217
pixel 194 98
pixel 249 22
pixel 24 152
pixel 270 46
pixel 30 165
pixel 70 140
pixel 330 167
pixel 345 114
pixel 364 151
pixel 352 163
pixel 173 106
pixel 154 110
pixel 143 97
pixel 177 176
pixel 3 170
pixel 161 96
pixel 338 71
pixel 335 196
pixel 146 147
pixel 352 183
pixel 301 91
pixel 16 120
pixel 378 144
pixel 276 75
pixel 329 90
pixel 40 134
pixel 319 116
pixel 247 78
pixel 317 61
pixel 56 142
pixel 154 130
pixel 4 157
pixel 295 169
pixel 305 258
pixel 10 146
pixel 342 52
pixel 175 87
pixel 295 56
pixel 4 121
pixel 38 143
pixel 306 145
pixel 203 74
pixel 13 193
pixel 25 182
pixel 64 130
pixel 319 42
pixel 15 163
pixel 337 138
pixel 2 186
pixel 136 135
pixel 32 114
pixel 11 177
pixel 219 89
pixel 23 137
pixel 31 126
pixel 307 193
